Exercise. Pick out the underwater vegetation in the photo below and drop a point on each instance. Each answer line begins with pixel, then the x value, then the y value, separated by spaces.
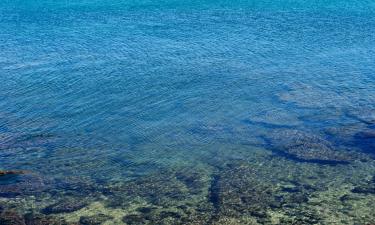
pixel 267 188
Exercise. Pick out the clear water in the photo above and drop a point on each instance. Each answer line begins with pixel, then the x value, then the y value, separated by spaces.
pixel 101 98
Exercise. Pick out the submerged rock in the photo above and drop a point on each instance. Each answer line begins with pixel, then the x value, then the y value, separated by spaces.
pixel 363 114
pixel 8 217
pixel 76 186
pixel 94 220
pixel 155 217
pixel 135 219
pixel 357 136
pixel 64 206
pixel 307 147
pixel 157 190
pixel 237 191
pixel 146 210
pixel 274 118
pixel 367 188
pixel 11 172
pixel 21 184
pixel 160 189
pixel 193 180
pixel 172 197
pixel 40 219
pixel 163 216
pixel 365 140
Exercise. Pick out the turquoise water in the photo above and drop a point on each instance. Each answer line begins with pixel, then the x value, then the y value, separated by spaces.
pixel 187 112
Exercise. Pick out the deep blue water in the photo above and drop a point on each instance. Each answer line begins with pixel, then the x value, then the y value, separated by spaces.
pixel 115 90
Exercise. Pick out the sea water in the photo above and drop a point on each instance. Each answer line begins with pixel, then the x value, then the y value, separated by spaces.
pixel 187 112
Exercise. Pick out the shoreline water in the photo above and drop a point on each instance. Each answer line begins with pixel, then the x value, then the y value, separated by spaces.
pixel 251 112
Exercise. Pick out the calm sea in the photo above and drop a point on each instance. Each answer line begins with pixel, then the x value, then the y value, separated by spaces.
pixel 187 112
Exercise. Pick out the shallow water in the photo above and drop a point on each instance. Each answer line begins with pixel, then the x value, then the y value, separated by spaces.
pixel 187 112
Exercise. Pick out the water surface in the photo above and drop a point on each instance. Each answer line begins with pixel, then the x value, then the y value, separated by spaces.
pixel 187 112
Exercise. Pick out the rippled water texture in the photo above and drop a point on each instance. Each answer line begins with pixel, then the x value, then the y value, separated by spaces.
pixel 187 112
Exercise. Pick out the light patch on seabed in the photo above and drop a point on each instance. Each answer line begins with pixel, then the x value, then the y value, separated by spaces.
pixel 96 208
pixel 236 221
pixel 337 204
pixel 334 211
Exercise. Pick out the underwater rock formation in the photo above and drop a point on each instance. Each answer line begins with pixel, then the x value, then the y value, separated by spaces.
pixel 307 147
pixel 276 117
pixel 11 172
pixel 94 220
pixel 172 197
pixel 65 206
pixel 156 217
pixel 365 140
pixel 354 136
pixel 367 188
pixel 364 114
pixel 8 217
pixel 243 194
pixel 75 186
pixel 136 219
pixel 18 184
pixel 310 96
pixel 158 189
pixel 40 219
pixel 237 192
